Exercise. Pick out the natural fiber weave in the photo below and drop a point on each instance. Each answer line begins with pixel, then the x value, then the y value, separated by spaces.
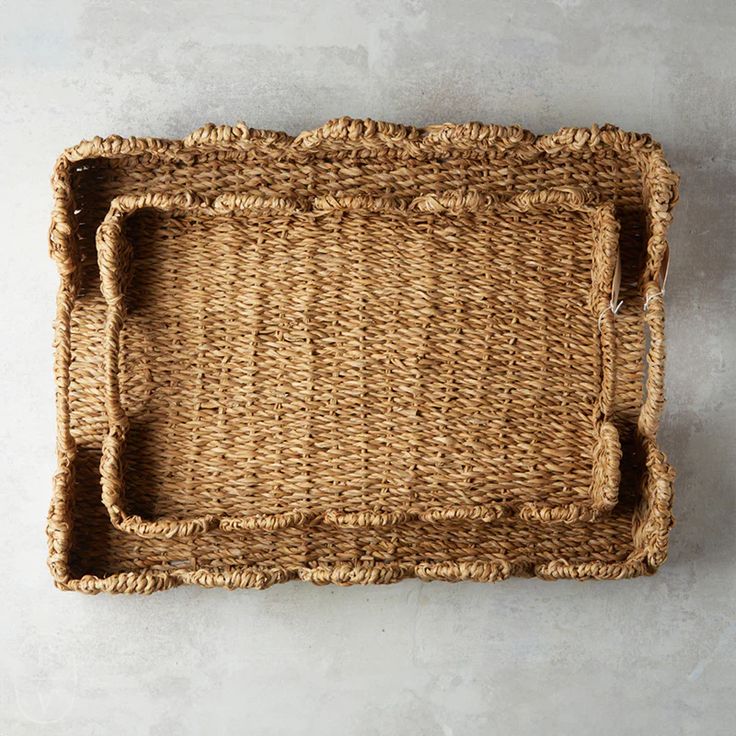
pixel 358 360
pixel 354 157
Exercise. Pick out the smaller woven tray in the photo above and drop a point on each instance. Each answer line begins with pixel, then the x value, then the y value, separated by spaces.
pixel 358 360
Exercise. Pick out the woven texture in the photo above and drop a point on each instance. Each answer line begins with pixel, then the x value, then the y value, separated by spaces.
pixel 359 360
pixel 350 158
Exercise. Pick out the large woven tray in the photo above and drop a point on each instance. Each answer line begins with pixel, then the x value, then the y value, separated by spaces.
pixel 358 157
pixel 359 360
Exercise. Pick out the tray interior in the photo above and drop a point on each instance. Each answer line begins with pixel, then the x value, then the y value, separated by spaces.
pixel 359 360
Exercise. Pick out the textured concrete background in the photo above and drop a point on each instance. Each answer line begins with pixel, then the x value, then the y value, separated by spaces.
pixel 652 656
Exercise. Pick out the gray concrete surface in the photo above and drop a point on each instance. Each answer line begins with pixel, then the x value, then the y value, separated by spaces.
pixel 652 656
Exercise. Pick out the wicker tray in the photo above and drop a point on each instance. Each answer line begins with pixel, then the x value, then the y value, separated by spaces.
pixel 358 157
pixel 362 361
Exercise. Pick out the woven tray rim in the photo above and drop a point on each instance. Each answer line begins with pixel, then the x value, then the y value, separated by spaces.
pixel 653 518
pixel 344 136
pixel 606 450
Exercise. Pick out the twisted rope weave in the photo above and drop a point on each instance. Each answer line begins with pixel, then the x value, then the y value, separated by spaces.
pixel 348 158
pixel 361 361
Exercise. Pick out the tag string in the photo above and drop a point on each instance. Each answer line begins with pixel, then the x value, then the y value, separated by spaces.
pixel 663 278
pixel 652 297
pixel 612 308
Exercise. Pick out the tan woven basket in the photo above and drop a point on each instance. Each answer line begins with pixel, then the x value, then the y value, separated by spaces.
pixel 361 361
pixel 350 158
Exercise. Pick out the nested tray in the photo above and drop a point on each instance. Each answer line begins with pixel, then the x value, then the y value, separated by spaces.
pixel 346 156
pixel 359 360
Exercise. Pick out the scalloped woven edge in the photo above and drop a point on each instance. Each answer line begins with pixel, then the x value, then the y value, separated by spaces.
pixel 653 517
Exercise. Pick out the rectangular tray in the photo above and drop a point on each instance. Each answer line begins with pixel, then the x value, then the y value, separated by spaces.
pixel 357 360
pixel 347 156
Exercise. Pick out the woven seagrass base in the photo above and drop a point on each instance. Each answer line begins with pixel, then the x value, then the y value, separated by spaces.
pixel 358 360
pixel 358 157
